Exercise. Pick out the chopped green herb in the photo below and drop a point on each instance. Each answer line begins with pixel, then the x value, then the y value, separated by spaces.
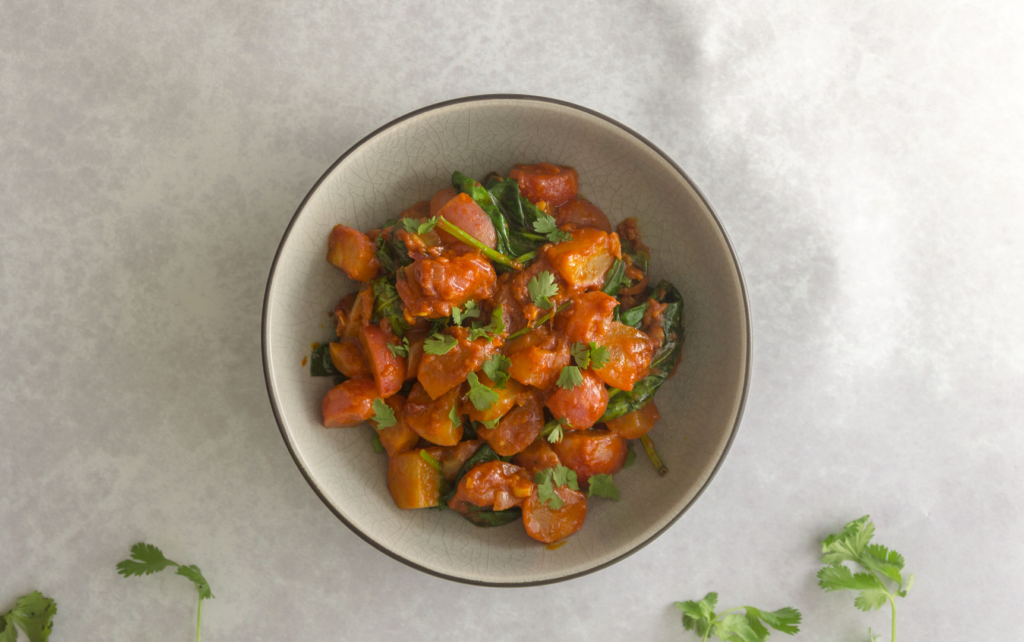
pixel 496 368
pixel 481 396
pixel 581 354
pixel 541 288
pixel 33 614
pixel 549 479
pixel 546 225
pixel 147 559
pixel 603 486
pixel 458 316
pixel 383 415
pixel 598 356
pixel 399 350
pixel 491 424
pixel 413 226
pixel 570 377
pixel 495 327
pixel 439 344
pixel 455 417
pixel 701 618
pixel 375 442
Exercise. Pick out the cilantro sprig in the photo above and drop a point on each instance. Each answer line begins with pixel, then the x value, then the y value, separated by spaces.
pixel 588 355
pixel 730 626
pixel 399 350
pixel 546 225
pixel 383 415
pixel 494 328
pixel 480 395
pixel 603 485
pixel 33 614
pixel 469 311
pixel 541 288
pixel 413 226
pixel 496 368
pixel 549 479
pixel 147 559
pixel 881 564
pixel 569 378
pixel 553 431
pixel 438 344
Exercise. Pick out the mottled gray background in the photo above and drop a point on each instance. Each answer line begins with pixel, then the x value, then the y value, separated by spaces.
pixel 864 156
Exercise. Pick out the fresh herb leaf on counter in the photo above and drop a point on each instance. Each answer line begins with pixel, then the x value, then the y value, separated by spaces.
pixel 439 344
pixel 33 614
pixel 729 626
pixel 541 288
pixel 147 559
pixel 383 415
pixel 853 544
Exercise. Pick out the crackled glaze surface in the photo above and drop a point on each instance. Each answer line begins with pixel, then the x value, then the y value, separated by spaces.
pixel 410 160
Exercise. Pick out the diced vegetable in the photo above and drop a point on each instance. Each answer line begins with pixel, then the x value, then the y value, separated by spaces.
pixel 440 373
pixel 432 418
pixel 507 398
pixel 454 457
pixel 413 482
pixel 400 437
pixel 537 456
pixel 584 260
pixel 518 428
pixel 496 485
pixel 347 357
pixel 430 287
pixel 635 424
pixel 547 525
pixel 582 213
pixel 353 252
pixel 463 212
pixel 590 317
pixel 412 362
pixel 591 452
pixel 349 404
pixel 546 182
pixel 629 356
pixel 539 365
pixel 388 369
pixel 582 405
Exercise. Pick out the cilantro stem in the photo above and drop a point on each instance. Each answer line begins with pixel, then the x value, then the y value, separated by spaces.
pixel 653 454
pixel 529 256
pixel 490 253
pixel 199 619
pixel 892 603
pixel 541 321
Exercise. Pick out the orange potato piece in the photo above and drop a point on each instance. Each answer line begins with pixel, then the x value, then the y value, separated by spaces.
pixel 349 404
pixel 353 252
pixel 591 452
pixel 431 286
pixel 463 212
pixel 494 484
pixel 388 369
pixel 430 417
pixel 635 424
pixel 439 373
pixel 507 398
pixel 552 184
pixel 584 260
pixel 413 482
pixel 538 357
pixel 582 213
pixel 629 356
pixel 583 405
pixel 547 525
pixel 348 358
pixel 400 437
pixel 518 428
pixel 590 316
pixel 537 456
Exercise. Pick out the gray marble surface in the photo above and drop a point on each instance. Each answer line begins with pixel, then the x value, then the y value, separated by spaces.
pixel 865 158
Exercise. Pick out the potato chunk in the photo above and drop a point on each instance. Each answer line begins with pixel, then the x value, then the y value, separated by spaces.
pixel 583 261
pixel 591 452
pixel 635 424
pixel 431 418
pixel 518 428
pixel 413 482
pixel 349 404
pixel 388 369
pixel 353 252
pixel 581 406
pixel 629 356
pixel 547 525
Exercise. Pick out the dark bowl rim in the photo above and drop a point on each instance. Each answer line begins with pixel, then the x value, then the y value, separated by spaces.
pixel 746 311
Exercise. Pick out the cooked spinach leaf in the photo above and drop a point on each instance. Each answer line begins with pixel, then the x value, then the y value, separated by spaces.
pixel 387 304
pixel 320 363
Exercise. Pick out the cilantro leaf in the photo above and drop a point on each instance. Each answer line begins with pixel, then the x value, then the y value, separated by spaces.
pixel 454 416
pixel 193 573
pixel 481 396
pixel 555 434
pixel 146 559
pixel 603 486
pixel 427 457
pixel 439 344
pixel 375 442
pixel 413 226
pixel 598 356
pixel 33 614
pixel 570 377
pixel 580 354
pixel 546 225
pixel 549 479
pixel 458 316
pixel 491 424
pixel 564 476
pixel 496 369
pixel 541 288
pixel 630 456
pixel 730 626
pixel 383 415
pixel 495 327
pixel 399 350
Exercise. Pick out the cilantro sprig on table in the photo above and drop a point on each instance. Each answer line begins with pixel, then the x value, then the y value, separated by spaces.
pixel 541 288
pixel 549 479
pixel 33 614
pixel 546 225
pixel 147 559
pixel 881 564
pixel 729 626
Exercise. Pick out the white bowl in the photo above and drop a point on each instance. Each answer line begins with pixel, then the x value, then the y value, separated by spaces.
pixel 408 160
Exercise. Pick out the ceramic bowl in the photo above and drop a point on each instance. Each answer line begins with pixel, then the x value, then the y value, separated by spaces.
pixel 408 160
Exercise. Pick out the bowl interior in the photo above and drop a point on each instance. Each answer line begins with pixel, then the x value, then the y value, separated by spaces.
pixel 409 160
